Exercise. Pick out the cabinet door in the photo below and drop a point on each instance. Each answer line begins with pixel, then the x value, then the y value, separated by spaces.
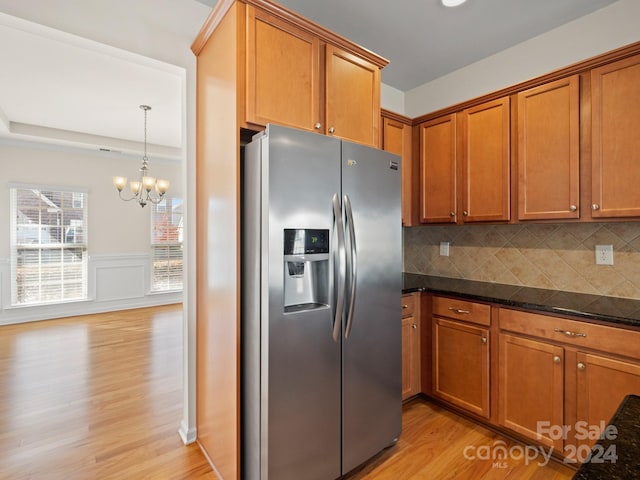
pixel 485 161
pixel 438 170
pixel 530 388
pixel 602 383
pixel 615 142
pixel 352 97
pixel 410 357
pixel 396 138
pixel 461 365
pixel 283 84
pixel 549 151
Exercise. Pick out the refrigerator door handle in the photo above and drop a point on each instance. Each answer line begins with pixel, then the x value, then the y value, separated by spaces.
pixel 352 263
pixel 341 273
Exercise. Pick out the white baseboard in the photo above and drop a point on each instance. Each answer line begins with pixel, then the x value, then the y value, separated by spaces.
pixel 188 435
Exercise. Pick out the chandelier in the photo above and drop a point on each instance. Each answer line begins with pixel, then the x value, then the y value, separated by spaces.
pixel 147 189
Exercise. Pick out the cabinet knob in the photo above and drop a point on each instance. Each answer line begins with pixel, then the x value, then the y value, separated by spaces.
pixel 413 325
pixel 452 214
pixel 465 213
pixel 331 130
pixel 595 206
pixel 405 306
pixel 573 208
pixel 556 359
pixel 581 366
pixel 318 126
pixel 483 340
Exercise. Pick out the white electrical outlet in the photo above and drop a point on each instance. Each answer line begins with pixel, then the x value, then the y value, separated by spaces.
pixel 444 249
pixel 604 254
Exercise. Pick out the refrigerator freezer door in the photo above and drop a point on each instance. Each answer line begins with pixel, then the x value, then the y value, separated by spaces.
pixel 300 360
pixel 371 383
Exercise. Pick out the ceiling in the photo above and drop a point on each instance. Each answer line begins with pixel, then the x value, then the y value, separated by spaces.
pixel 66 89
pixel 63 89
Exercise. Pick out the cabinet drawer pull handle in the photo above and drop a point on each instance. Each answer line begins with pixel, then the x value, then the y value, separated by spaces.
pixel 556 359
pixel 483 340
pixel 317 126
pixel 573 208
pixel 452 214
pixel 581 366
pixel 459 311
pixel 331 130
pixel 413 325
pixel 569 334
pixel 405 306
pixel 465 213
pixel 595 206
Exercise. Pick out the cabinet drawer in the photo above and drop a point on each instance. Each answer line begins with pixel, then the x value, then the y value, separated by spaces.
pixel 479 313
pixel 619 341
pixel 408 305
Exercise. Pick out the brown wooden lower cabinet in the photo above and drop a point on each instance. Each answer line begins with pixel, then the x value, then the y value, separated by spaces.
pixel 410 345
pixel 531 388
pixel 602 383
pixel 461 365
pixel 551 381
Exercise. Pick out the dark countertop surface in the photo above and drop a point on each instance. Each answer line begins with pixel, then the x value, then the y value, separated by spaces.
pixel 616 456
pixel 621 311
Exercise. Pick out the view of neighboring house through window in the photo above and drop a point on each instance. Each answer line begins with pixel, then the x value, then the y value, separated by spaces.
pixel 48 244
pixel 166 245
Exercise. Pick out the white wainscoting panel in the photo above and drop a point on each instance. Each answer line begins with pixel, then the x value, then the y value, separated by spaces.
pixel 121 278
pixel 115 282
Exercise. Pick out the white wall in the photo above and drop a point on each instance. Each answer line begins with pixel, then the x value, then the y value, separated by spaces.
pixel 119 232
pixel 603 30
pixel 392 99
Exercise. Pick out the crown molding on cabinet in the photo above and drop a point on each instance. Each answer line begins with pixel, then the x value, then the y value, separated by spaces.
pixel 287 15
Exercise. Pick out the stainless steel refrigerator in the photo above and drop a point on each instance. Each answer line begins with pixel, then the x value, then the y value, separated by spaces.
pixel 321 296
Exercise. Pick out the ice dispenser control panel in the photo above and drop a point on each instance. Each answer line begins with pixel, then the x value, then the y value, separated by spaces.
pixel 305 241
pixel 306 269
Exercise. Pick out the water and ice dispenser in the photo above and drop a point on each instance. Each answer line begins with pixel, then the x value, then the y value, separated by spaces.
pixel 306 269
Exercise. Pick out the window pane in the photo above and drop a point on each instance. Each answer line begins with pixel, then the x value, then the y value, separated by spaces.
pixel 166 245
pixel 43 222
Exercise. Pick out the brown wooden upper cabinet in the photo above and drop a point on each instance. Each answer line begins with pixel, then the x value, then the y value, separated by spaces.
pixel 548 122
pixel 615 142
pixel 294 78
pixel 465 165
pixel 396 138
pixel 438 170
pixel 486 162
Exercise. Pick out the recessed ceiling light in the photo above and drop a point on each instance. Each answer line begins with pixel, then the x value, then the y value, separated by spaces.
pixel 452 3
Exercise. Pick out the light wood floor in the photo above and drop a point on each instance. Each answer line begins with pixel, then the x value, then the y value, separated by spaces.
pixel 95 397
pixel 433 445
pixel 100 397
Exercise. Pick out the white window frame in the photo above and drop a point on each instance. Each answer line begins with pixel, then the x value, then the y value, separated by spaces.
pixel 34 279
pixel 166 241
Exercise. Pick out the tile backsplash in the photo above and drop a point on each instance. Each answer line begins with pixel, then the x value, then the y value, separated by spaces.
pixel 552 256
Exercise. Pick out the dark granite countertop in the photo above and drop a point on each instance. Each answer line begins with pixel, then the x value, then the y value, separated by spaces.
pixel 616 456
pixel 622 311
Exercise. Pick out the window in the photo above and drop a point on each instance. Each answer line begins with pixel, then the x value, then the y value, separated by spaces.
pixel 48 245
pixel 166 245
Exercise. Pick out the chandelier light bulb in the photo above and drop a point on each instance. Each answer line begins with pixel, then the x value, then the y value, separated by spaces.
pixel 120 183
